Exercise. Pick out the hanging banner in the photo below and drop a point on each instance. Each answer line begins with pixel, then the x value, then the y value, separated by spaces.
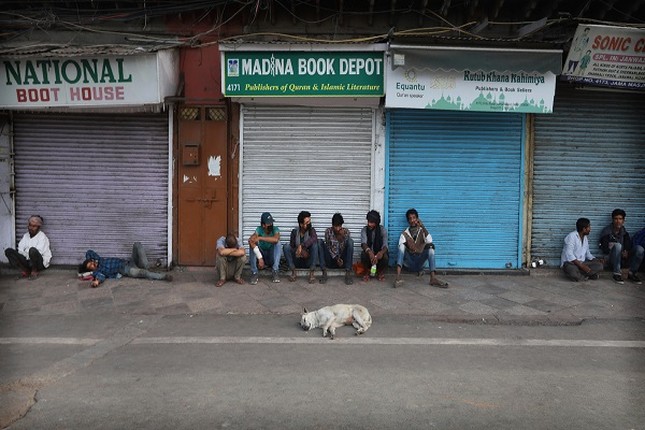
pixel 302 74
pixel 472 80
pixel 607 56
pixel 87 81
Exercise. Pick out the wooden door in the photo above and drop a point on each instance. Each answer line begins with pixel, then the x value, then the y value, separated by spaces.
pixel 202 183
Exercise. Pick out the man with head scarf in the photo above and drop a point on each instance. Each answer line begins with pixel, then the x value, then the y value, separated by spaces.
pixel 33 254
pixel 374 244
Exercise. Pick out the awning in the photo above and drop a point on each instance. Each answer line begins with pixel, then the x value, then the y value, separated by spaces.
pixel 465 58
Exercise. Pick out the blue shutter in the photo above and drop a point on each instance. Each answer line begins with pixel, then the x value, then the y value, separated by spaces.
pixel 462 171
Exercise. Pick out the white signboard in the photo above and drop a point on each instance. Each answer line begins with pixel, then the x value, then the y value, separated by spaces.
pixel 424 85
pixel 86 81
pixel 607 56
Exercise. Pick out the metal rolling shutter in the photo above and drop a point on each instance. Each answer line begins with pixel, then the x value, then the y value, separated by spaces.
pixel 100 181
pixel 588 161
pixel 306 158
pixel 462 171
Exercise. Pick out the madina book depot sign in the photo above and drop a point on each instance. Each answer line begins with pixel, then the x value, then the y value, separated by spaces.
pixel 302 74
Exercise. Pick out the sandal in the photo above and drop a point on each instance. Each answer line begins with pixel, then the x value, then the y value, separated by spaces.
pixel 240 281
pixel 366 278
pixel 312 277
pixel 220 282
pixel 439 283
pixel 381 276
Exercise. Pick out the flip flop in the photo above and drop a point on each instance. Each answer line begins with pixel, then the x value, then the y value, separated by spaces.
pixel 438 283
pixel 398 283
pixel 381 277
pixel 366 278
pixel 220 283
pixel 240 281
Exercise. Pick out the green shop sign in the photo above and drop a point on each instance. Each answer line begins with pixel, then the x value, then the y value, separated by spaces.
pixel 303 74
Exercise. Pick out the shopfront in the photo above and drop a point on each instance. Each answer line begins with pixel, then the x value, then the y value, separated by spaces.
pixel 91 139
pixel 308 132
pixel 589 159
pixel 457 132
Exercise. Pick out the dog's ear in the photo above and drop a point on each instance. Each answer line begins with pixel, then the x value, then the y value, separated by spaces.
pixel 304 311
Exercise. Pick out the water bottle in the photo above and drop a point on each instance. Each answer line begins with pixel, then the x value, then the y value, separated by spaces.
pixel 373 270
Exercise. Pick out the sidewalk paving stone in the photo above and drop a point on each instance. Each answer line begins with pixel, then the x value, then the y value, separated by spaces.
pixel 545 297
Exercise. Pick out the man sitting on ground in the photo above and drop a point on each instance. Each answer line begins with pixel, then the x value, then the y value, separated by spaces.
pixel 230 259
pixel 415 248
pixel 337 249
pixel 302 249
pixel 576 261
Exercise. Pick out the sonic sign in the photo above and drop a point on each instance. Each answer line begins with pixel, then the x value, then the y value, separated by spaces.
pixel 302 74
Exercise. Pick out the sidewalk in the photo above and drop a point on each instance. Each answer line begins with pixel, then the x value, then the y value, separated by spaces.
pixel 542 297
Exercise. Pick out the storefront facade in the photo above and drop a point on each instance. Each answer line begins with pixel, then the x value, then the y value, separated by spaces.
pixel 309 133
pixel 588 160
pixel 91 144
pixel 457 139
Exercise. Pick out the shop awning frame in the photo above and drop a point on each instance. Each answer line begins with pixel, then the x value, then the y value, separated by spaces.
pixel 460 58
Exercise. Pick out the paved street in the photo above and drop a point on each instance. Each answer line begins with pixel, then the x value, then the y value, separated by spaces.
pixel 264 372
pixel 492 351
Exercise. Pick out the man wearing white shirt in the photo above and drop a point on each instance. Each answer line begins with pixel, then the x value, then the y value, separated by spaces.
pixel 33 254
pixel 576 260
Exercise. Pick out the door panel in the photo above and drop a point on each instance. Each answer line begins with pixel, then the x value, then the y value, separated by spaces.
pixel 203 173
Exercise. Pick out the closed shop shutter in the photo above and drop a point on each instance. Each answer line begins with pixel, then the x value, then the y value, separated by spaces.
pixel 462 171
pixel 588 160
pixel 306 158
pixel 100 182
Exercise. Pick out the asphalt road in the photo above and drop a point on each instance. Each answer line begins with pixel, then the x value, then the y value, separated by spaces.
pixel 264 372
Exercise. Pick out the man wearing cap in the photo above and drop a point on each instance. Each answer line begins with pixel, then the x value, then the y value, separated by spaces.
pixel 265 250
pixel 33 254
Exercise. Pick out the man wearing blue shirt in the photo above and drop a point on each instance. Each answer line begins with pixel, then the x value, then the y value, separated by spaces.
pixel 102 268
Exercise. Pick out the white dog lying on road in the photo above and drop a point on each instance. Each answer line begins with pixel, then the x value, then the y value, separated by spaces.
pixel 332 317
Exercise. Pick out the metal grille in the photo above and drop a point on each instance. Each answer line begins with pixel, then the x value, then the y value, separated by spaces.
pixel 306 158
pixel 462 171
pixel 189 113
pixel 216 114
pixel 99 181
pixel 588 161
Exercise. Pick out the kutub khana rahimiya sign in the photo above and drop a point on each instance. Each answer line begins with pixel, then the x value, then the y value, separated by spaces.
pixel 607 56
pixel 422 86
pixel 87 81
pixel 474 90
pixel 303 74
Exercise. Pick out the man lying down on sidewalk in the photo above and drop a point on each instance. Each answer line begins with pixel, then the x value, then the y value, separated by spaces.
pixel 102 268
